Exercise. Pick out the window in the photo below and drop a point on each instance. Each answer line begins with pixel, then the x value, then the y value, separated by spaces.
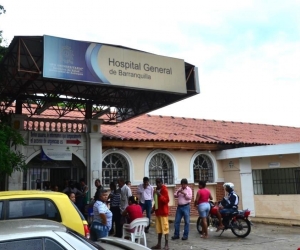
pixel 203 169
pixel 30 244
pixel 79 241
pixel 24 244
pixel 161 166
pixel 43 209
pixel 52 245
pixel 276 181
pixel 297 175
pixel 52 212
pixel 114 166
pixel 1 205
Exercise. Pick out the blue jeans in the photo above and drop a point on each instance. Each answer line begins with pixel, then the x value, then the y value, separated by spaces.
pixel 147 206
pixel 203 209
pixel 98 230
pixel 182 211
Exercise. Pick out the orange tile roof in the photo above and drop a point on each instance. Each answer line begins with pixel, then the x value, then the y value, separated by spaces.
pixel 180 129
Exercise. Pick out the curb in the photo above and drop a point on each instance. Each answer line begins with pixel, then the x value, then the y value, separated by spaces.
pixel 275 221
pixel 259 220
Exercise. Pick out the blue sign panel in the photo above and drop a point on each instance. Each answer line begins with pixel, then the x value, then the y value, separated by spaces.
pixel 66 59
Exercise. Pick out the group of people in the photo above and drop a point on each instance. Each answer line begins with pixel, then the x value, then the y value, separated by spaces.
pixel 118 207
pixel 78 193
pixel 109 220
pixel 228 205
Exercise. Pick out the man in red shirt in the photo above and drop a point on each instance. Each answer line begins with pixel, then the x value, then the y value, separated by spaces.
pixel 161 208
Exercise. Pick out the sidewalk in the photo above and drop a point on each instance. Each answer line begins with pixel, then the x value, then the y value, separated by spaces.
pixel 270 221
pixel 263 236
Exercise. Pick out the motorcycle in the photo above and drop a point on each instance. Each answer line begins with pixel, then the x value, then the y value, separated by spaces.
pixel 237 222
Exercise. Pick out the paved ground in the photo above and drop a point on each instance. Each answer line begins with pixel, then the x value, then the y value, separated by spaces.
pixel 262 237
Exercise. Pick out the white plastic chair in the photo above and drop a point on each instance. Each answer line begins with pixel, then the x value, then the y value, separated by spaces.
pixel 139 226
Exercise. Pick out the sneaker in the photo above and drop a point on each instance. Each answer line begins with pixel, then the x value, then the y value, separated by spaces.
pixel 184 238
pixel 175 237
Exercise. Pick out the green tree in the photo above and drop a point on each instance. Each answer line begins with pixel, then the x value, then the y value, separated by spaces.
pixel 3 49
pixel 10 159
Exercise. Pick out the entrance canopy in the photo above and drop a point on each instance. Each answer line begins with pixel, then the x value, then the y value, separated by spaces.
pixel 44 74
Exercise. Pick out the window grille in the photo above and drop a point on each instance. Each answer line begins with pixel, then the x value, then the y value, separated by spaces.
pixel 114 166
pixel 161 166
pixel 203 169
pixel 276 181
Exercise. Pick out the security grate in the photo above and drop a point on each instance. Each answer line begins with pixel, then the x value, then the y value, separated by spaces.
pixel 203 169
pixel 161 166
pixel 276 181
pixel 114 166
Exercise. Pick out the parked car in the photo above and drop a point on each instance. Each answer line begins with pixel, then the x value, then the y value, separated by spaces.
pixel 49 205
pixel 41 234
pixel 112 243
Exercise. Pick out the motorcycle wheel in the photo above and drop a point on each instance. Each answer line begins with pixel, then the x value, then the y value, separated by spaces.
pixel 199 226
pixel 241 227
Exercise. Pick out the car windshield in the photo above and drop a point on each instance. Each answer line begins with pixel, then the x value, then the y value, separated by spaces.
pixel 71 234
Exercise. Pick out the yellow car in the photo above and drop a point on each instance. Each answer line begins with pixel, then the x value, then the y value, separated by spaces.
pixel 45 205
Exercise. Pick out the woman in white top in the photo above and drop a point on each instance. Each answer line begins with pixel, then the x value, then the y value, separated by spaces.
pixel 102 216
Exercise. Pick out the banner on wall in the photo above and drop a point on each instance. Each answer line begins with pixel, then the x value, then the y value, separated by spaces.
pixel 103 64
pixel 56 153
pixel 40 138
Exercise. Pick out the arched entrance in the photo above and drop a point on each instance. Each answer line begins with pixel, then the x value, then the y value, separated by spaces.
pixel 46 174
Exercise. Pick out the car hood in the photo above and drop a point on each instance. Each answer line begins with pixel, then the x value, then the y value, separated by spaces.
pixel 121 243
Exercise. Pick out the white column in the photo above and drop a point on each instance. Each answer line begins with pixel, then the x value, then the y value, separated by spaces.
pixel 94 154
pixel 247 184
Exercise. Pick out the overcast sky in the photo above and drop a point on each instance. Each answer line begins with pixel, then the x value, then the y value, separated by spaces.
pixel 247 52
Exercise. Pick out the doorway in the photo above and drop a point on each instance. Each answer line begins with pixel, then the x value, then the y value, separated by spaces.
pixel 44 175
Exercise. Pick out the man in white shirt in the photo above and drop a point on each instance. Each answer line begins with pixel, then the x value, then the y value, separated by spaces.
pixel 145 191
pixel 125 194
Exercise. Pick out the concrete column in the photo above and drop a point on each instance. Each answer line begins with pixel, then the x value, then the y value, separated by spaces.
pixel 247 184
pixel 94 154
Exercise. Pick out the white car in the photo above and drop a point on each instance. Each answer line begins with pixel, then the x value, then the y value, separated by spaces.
pixel 40 234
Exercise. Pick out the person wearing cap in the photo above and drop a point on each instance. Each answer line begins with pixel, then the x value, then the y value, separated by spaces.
pixel 229 204
pixel 184 195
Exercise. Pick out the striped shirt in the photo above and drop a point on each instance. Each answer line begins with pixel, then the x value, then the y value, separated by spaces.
pixel 115 197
